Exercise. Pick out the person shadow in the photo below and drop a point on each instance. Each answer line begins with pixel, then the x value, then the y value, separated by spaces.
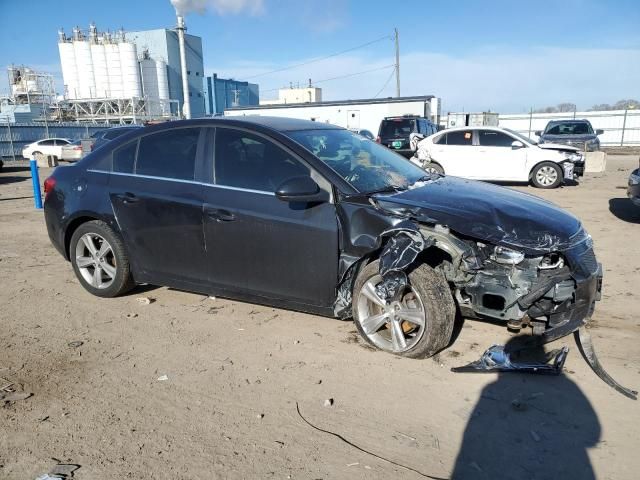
pixel 528 426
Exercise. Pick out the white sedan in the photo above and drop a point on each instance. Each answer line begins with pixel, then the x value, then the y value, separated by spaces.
pixel 48 146
pixel 498 154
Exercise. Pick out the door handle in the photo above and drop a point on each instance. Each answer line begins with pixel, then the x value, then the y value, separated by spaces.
pixel 220 215
pixel 127 197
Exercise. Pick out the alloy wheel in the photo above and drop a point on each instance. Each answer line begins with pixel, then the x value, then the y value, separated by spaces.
pixel 95 260
pixel 395 326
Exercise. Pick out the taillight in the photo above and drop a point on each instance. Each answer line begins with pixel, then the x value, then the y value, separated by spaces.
pixel 377 139
pixel 49 184
pixel 77 148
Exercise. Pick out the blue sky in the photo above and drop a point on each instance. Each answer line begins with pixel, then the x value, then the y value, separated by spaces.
pixel 505 56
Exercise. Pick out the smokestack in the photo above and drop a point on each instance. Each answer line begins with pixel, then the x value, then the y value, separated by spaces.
pixel 186 108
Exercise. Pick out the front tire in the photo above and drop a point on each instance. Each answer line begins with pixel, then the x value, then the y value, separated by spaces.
pixel 100 260
pixel 419 325
pixel 547 175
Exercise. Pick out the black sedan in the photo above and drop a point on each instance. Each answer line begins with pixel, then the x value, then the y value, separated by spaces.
pixel 315 218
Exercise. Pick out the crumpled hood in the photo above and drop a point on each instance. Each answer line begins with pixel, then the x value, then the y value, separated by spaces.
pixel 488 213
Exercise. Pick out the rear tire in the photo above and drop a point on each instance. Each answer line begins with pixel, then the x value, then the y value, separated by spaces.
pixel 433 296
pixel 547 175
pixel 100 260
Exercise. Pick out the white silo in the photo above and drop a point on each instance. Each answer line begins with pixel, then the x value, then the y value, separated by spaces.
pixel 84 64
pixel 100 73
pixel 130 73
pixel 68 64
pixel 163 82
pixel 150 85
pixel 163 87
pixel 112 53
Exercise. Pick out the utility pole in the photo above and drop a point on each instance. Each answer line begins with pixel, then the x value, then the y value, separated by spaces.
pixel 397 62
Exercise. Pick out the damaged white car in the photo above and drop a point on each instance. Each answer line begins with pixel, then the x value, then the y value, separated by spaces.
pixel 497 154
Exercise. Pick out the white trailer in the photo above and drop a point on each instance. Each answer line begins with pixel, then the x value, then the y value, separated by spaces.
pixel 363 114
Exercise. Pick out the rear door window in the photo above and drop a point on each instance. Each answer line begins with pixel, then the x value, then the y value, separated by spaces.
pixel 245 160
pixel 460 137
pixel 491 138
pixel 124 158
pixel 59 142
pixel 169 154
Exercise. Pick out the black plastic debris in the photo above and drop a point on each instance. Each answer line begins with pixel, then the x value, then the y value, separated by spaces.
pixel 585 345
pixel 403 247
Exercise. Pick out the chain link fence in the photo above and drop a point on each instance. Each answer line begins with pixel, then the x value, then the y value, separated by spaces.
pixel 15 136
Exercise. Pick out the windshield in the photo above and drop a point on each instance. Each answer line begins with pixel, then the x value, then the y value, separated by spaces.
pixel 521 137
pixel 365 165
pixel 401 127
pixel 569 128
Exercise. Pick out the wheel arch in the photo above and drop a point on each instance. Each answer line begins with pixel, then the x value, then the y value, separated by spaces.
pixel 79 219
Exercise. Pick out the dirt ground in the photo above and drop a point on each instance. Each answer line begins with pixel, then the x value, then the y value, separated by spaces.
pixel 194 387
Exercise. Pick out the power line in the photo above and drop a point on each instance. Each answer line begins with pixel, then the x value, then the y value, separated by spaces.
pixel 338 77
pixel 387 82
pixel 386 37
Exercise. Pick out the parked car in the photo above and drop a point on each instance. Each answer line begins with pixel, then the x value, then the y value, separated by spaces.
pixel 72 151
pixel 498 154
pixel 312 217
pixel 395 132
pixel 633 190
pixel 104 136
pixel 576 133
pixel 48 146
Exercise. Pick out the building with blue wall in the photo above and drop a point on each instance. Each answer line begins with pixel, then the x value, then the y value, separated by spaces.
pixel 222 93
pixel 162 44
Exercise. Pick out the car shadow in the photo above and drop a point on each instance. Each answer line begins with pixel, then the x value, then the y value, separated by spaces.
pixel 6 179
pixel 528 426
pixel 15 168
pixel 140 289
pixel 567 183
pixel 623 209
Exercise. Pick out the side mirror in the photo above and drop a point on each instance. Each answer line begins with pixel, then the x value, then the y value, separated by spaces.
pixel 538 133
pixel 599 131
pixel 301 189
pixel 516 144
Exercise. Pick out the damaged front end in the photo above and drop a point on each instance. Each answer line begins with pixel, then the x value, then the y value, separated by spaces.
pixel 505 256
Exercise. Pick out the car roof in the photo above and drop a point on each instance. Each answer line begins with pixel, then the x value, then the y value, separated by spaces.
pixel 283 124
pixel 475 127
pixel 569 120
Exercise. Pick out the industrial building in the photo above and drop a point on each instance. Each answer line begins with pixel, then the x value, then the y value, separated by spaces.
pixel 290 95
pixel 164 44
pixel 130 77
pixel 222 93
pixel 31 94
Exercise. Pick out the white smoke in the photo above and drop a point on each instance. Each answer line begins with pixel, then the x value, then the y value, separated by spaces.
pixel 221 7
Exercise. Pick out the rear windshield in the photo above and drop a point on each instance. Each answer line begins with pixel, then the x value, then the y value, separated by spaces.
pixel 401 127
pixel 570 128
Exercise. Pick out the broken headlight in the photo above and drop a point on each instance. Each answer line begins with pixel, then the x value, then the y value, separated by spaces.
pixel 506 256
pixel 572 156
